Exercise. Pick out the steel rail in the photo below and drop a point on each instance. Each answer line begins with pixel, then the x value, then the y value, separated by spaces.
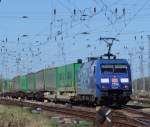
pixel 127 116
pixel 88 115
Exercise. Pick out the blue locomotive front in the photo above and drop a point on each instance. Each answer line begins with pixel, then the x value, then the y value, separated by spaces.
pixel 113 81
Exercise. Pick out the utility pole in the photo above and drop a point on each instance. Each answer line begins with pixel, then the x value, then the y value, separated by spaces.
pixel 142 68
pixel 18 59
pixel 131 67
pixel 148 60
pixel 130 60
pixel 148 55
pixel 1 75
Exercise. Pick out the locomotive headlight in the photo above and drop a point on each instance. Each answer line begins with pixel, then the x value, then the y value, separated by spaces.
pixel 124 80
pixel 104 80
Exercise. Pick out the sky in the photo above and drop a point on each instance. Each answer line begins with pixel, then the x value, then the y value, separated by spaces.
pixel 37 34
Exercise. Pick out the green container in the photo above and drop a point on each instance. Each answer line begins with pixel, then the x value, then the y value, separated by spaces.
pixel 70 77
pixel 10 86
pixel 23 84
pixel 16 83
pixel 7 86
pixel 40 80
pixel 50 79
pixel 60 77
pixel 66 77
pixel 1 86
pixel 31 81
pixel 77 68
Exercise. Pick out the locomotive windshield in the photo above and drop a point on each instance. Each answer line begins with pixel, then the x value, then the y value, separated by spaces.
pixel 107 69
pixel 120 69
pixel 117 68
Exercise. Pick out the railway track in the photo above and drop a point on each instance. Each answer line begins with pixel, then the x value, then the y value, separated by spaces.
pixel 83 114
pixel 126 117
pixel 135 111
pixel 142 99
pixel 129 117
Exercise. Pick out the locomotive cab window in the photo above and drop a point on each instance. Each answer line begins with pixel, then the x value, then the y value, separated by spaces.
pixel 107 69
pixel 120 69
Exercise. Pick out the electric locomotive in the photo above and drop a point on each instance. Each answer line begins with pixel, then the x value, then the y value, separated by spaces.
pixel 105 80
pixel 113 81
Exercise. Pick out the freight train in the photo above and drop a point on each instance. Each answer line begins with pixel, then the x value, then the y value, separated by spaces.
pixel 98 81
pixel 103 80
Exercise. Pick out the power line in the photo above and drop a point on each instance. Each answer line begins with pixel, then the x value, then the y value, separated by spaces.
pixel 133 17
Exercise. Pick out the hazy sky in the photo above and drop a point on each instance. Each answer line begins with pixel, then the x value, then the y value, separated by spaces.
pixel 34 36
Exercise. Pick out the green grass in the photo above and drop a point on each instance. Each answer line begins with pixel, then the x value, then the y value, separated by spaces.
pixel 11 116
pixel 17 117
pixel 83 124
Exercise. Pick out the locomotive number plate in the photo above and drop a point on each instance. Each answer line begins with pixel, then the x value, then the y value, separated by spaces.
pixel 114 80
pixel 115 83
